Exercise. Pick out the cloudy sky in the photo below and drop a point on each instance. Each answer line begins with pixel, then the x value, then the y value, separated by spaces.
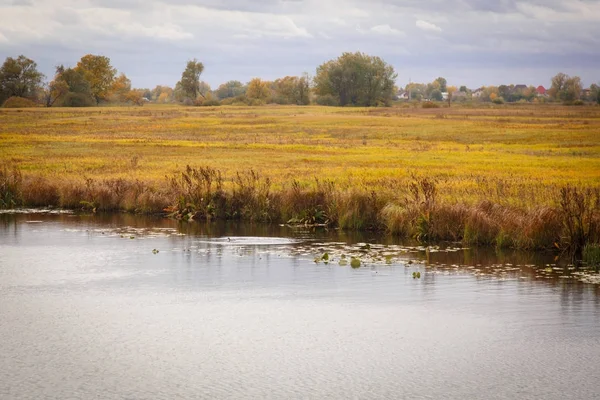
pixel 470 42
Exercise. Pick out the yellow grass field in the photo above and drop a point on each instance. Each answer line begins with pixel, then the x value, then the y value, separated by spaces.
pixel 525 147
pixel 517 155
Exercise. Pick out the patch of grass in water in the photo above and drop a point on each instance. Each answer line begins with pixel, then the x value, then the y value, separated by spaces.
pixel 591 256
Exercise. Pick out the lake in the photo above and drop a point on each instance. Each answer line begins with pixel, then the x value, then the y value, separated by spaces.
pixel 129 307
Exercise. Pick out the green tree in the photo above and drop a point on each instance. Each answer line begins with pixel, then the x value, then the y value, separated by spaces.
pixel 99 73
pixel 356 79
pixel 75 89
pixel 19 77
pixel 504 91
pixel 436 94
pixel 431 87
pixel 189 85
pixel 443 84
pixel 55 89
pixel 572 89
pixel 595 92
pixel 230 89
pixel 565 88
pixel 463 89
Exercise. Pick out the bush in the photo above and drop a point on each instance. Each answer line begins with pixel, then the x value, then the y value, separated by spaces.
pixel 256 102
pixel 327 100
pixel 430 104
pixel 578 103
pixel 18 102
pixel 228 101
pixel 498 100
pixel 73 99
pixel 210 103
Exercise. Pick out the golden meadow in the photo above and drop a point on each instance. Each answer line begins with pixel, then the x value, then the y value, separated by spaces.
pixel 524 176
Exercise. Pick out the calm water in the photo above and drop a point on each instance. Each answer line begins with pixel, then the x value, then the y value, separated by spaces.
pixel 140 308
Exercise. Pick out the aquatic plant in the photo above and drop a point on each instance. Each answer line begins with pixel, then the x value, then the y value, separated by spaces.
pixel 10 186
pixel 591 256
pixel 580 212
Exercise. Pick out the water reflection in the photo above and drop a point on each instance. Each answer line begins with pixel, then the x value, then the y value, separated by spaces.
pixel 122 306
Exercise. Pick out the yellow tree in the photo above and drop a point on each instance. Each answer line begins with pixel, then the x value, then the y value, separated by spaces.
pixel 258 90
pixel 99 73
pixel 451 90
pixel 135 96
pixel 120 88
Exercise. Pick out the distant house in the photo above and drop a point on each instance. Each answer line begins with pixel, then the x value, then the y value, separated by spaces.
pixel 519 88
pixel 459 95
pixel 477 93
pixel 585 93
pixel 403 95
pixel 541 90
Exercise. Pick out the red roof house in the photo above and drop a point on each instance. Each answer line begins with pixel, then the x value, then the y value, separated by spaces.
pixel 541 90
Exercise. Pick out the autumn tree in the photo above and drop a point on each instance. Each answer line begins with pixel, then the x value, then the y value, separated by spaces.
pixel 417 91
pixel 55 89
pixel 258 90
pixel 558 83
pixel 565 88
pixel 490 93
pixel 356 79
pixel 19 77
pixel 292 90
pixel 230 89
pixel 189 85
pixel 451 90
pixel 99 73
pixel 162 94
pixel 135 96
pixel 120 88
pixel 572 89
pixel 79 93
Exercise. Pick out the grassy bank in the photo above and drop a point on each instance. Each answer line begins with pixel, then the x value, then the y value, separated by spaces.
pixel 520 176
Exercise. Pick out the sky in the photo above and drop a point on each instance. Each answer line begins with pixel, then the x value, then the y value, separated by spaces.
pixel 469 42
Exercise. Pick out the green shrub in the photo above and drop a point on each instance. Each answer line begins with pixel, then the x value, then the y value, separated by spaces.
pixel 73 99
pixel 327 100
pixel 591 256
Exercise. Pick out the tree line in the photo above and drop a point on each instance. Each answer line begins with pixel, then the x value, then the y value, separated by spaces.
pixel 353 79
pixel 564 88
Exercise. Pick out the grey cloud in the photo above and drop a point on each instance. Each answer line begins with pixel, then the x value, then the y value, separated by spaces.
pixel 151 40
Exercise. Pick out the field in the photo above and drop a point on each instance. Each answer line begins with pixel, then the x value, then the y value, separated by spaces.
pixel 351 167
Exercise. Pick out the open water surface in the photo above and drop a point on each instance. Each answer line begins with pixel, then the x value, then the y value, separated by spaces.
pixel 125 307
